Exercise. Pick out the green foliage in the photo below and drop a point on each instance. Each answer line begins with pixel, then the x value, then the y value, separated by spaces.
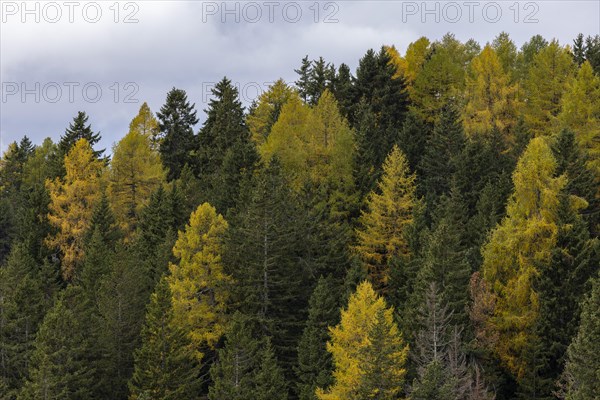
pixel 165 365
pixel 176 141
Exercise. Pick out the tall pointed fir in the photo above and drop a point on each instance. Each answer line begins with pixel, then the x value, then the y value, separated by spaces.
pixel 267 258
pixel 314 361
pixel 165 365
pixel 225 153
pixel 79 129
pixel 176 120
pixel 583 355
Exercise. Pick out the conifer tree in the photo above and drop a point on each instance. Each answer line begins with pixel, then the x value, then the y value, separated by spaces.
pixel 71 202
pixel 225 153
pixel 581 112
pixel 263 116
pixel 165 365
pixel 515 249
pixel 78 130
pixel 233 374
pixel 583 354
pixel 549 76
pixel 26 294
pixel 197 282
pixel 270 381
pixel 60 363
pixel 384 222
pixel 367 349
pixel 176 120
pixel 135 172
pixel 314 362
pixel 442 150
pixel 267 258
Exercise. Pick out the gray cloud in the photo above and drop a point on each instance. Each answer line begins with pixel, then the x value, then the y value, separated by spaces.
pixel 177 43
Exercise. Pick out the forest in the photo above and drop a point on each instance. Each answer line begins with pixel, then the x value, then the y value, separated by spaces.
pixel 424 227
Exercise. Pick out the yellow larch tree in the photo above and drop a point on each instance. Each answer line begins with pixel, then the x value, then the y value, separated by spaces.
pixel 491 98
pixel 72 200
pixel 581 113
pixel 383 223
pixel 135 172
pixel 549 76
pixel 516 247
pixel 368 351
pixel 198 283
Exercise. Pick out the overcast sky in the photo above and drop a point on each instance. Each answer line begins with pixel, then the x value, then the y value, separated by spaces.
pixel 56 56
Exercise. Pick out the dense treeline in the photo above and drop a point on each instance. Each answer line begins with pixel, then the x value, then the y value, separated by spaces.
pixel 425 228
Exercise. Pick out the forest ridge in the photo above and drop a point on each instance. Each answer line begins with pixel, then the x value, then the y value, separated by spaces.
pixel 425 227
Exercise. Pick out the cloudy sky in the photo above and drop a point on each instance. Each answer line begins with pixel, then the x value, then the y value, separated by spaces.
pixel 108 57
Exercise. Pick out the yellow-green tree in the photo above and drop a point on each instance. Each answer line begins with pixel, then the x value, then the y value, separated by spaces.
pixel 549 77
pixel 72 201
pixel 516 247
pixel 581 112
pixel 368 351
pixel 146 124
pixel 388 213
pixel 198 283
pixel 261 118
pixel 440 79
pixel 491 98
pixel 136 170
pixel 315 145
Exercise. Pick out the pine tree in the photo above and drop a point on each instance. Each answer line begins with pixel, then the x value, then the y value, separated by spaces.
pixel 78 130
pixel 26 294
pixel 225 153
pixel 72 199
pixel 165 366
pixel 583 354
pixel 442 150
pixel 384 222
pixel 135 172
pixel 269 380
pixel 177 118
pixel 197 282
pixel 314 362
pixel 60 366
pixel 303 82
pixel 233 374
pixel 267 258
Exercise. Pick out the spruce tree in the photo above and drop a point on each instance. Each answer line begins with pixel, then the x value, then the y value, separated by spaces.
pixel 225 152
pixel 583 354
pixel 233 374
pixel 165 366
pixel 266 256
pixel 304 79
pixel 79 129
pixel 314 362
pixel 270 381
pixel 176 120
pixel 26 295
pixel 60 365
